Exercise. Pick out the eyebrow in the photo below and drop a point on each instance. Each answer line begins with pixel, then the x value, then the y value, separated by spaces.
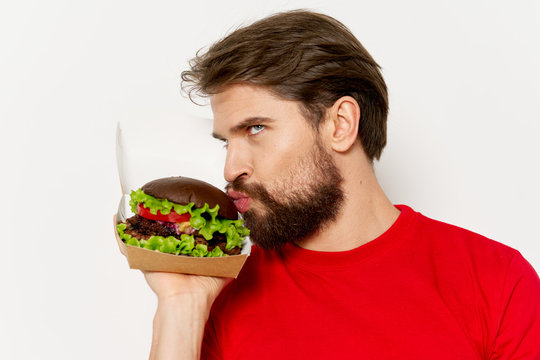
pixel 257 120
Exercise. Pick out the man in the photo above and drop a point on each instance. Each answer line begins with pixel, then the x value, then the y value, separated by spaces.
pixel 337 270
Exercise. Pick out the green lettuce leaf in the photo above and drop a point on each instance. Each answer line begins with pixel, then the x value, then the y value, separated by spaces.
pixel 170 245
pixel 162 205
pixel 200 250
pixel 217 252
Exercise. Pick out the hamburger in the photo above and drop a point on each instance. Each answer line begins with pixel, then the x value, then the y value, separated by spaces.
pixel 183 216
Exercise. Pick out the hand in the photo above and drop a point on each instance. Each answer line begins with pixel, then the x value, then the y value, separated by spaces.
pixel 169 285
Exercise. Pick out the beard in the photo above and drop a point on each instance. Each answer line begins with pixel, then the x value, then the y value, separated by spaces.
pixel 309 198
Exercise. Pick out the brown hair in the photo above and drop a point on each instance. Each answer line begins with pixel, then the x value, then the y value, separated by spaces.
pixel 302 56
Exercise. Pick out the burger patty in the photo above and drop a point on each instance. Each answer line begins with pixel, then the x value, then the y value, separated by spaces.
pixel 142 228
pixel 151 227
pixel 234 251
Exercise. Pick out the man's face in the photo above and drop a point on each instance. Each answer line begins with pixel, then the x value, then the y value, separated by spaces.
pixel 282 179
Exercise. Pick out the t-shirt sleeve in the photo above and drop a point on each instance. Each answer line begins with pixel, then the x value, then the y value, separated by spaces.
pixel 518 334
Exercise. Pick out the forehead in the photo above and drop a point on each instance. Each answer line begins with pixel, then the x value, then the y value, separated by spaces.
pixel 239 102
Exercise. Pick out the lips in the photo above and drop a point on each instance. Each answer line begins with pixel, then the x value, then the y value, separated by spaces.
pixel 241 200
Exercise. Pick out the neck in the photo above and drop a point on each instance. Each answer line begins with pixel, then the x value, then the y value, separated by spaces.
pixel 366 213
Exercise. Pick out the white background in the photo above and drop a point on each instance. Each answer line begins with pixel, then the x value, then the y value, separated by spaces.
pixel 464 144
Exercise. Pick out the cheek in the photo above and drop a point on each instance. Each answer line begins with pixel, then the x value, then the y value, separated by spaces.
pixel 272 164
pixel 282 162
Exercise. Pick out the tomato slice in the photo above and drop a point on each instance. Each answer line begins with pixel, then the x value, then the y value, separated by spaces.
pixel 171 217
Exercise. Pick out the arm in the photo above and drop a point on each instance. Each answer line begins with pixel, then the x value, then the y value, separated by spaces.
pixel 184 303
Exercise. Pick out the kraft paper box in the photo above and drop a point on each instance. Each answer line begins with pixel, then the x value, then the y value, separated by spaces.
pixel 143 153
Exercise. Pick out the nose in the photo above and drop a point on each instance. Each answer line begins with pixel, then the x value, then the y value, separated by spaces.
pixel 237 163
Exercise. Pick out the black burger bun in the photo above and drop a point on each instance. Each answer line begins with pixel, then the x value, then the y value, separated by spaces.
pixel 183 190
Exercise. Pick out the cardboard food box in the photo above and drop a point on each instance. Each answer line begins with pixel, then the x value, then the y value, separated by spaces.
pixel 149 260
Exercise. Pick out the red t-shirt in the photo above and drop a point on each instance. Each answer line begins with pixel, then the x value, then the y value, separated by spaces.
pixel 422 290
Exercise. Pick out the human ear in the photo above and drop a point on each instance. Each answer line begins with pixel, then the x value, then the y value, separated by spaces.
pixel 344 117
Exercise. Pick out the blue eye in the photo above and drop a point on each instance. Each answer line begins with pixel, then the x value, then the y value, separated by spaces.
pixel 256 129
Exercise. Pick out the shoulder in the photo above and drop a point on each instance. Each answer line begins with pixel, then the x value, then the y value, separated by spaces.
pixel 455 241
pixel 472 262
pixel 461 261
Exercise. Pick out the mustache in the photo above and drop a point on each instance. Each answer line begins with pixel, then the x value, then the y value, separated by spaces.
pixel 254 190
pixel 239 185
